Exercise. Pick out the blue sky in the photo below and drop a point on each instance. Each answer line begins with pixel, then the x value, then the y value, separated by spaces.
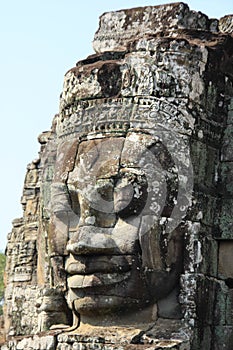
pixel 40 40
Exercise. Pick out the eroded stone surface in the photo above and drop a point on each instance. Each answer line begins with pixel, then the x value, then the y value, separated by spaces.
pixel 127 211
pixel 119 29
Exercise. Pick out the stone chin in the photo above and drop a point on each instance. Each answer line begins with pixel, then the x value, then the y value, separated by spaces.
pixel 105 305
pixel 133 294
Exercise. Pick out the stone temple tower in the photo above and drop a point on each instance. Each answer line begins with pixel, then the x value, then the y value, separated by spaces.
pixel 126 238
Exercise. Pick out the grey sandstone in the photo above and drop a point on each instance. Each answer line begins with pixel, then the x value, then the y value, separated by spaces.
pixel 126 237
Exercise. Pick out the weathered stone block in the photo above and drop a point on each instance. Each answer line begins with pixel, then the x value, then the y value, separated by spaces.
pixel 223 338
pixel 202 339
pixel 212 302
pixel 230 108
pixel 225 259
pixel 227 178
pixel 225 220
pixel 209 253
pixel 204 161
pixel 227 148
pixel 221 305
pixel 206 291
pixel 37 343
pixel 229 303
pixel 118 29
pixel 203 209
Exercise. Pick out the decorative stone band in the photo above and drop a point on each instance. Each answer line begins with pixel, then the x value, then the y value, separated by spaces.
pixel 101 116
pixel 23 274
pixel 115 116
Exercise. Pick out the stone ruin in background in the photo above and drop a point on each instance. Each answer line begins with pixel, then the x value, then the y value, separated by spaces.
pixel 126 239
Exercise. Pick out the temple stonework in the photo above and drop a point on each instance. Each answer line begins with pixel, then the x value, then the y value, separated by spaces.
pixel 126 239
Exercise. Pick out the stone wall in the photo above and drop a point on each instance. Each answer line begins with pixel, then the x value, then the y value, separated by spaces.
pixel 164 71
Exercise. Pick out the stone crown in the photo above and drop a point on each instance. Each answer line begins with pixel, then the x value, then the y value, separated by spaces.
pixel 118 29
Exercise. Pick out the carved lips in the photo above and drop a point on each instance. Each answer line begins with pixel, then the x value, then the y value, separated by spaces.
pixel 85 265
pixel 94 271
pixel 95 280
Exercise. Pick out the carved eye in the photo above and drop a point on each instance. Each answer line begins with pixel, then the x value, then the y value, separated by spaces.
pixel 74 201
pixel 105 189
pixel 129 196
pixel 123 194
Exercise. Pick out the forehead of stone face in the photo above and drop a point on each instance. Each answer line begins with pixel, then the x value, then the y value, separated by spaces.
pixel 97 159
pixel 136 152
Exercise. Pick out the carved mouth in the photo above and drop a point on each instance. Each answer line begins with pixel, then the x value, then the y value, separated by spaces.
pixel 83 265
pixel 96 280
pixel 99 271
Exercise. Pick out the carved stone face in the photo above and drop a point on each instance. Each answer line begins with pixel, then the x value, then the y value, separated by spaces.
pixel 117 260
